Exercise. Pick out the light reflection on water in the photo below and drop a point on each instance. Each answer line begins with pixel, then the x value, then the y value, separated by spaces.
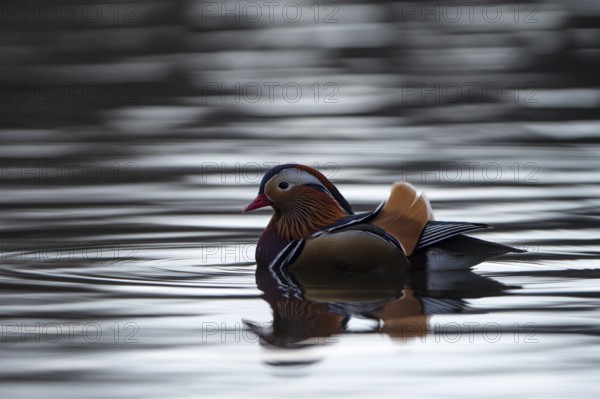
pixel 140 279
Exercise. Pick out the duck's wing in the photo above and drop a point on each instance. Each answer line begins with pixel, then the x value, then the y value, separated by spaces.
pixel 435 232
pixel 405 215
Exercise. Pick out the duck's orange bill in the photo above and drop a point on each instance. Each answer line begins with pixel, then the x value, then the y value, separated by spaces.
pixel 260 201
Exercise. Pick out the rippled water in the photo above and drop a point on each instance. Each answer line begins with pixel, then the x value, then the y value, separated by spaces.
pixel 127 267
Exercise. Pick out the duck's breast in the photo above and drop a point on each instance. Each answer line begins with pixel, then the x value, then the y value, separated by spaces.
pixel 268 246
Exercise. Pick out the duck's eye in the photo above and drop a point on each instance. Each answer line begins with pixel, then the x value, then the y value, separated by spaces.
pixel 283 185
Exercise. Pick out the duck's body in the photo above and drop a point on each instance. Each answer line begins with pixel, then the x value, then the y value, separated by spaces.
pixel 314 226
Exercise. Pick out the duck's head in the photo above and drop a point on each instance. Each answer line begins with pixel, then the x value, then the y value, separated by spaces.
pixel 303 199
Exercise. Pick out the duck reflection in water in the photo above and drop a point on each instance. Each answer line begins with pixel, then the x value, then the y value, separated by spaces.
pixel 311 304
pixel 319 265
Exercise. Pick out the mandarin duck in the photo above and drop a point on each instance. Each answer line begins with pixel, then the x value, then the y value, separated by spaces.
pixel 313 225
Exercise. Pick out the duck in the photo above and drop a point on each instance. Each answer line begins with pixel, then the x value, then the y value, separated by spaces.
pixel 313 225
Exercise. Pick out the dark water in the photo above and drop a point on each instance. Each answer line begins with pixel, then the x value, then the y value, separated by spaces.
pixel 127 268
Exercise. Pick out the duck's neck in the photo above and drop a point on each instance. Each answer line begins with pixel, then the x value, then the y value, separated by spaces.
pixel 305 216
pixel 294 222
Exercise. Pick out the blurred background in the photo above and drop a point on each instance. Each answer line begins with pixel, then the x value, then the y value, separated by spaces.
pixel 132 133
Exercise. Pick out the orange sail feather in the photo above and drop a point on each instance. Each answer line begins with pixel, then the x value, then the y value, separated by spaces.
pixel 405 215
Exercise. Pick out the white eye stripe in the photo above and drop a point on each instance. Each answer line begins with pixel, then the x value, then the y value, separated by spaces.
pixel 296 177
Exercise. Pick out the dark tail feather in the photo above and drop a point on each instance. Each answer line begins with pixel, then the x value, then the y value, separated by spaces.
pixel 435 232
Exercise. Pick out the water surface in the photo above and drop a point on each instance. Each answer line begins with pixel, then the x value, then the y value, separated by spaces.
pixel 128 268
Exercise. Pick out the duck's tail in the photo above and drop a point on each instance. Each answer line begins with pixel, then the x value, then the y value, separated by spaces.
pixel 405 215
